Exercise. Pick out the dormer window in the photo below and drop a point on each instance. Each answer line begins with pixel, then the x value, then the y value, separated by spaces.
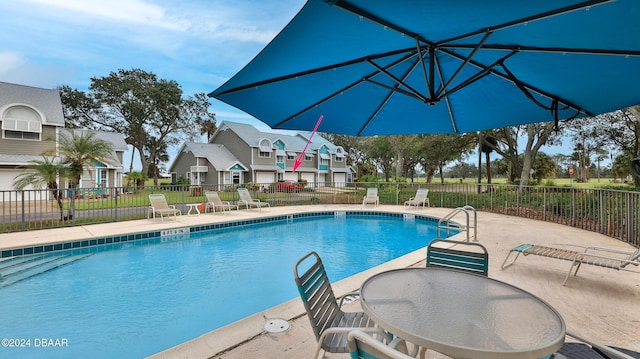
pixel 265 147
pixel 21 122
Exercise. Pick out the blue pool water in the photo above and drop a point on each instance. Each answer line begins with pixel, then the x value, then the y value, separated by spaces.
pixel 150 295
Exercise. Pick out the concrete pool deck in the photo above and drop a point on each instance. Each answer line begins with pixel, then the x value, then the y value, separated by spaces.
pixel 600 303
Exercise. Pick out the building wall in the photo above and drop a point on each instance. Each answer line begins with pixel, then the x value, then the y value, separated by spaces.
pixel 234 144
pixel 183 164
pixel 29 147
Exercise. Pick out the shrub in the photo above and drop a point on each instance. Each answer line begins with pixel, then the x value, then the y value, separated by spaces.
pixel 368 178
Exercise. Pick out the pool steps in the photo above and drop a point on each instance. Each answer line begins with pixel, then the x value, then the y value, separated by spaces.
pixel 17 269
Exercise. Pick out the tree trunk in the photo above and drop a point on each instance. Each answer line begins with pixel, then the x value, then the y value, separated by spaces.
pixel 143 160
pixel 56 195
pixel 488 162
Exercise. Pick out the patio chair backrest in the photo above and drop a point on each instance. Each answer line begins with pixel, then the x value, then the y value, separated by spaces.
pixel 363 346
pixel 421 194
pixel 316 293
pixel 158 201
pixel 476 260
pixel 245 195
pixel 372 192
pixel 213 198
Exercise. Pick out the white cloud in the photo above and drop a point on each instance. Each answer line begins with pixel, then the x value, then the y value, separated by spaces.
pixel 130 11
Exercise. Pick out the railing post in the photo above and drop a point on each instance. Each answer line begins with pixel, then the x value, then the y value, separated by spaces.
pixel 115 214
pixel 72 209
pixel 23 219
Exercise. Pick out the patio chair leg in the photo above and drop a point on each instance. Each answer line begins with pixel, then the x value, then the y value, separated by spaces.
pixel 566 278
pixel 504 264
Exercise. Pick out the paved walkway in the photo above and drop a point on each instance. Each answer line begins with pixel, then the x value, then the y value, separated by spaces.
pixel 600 303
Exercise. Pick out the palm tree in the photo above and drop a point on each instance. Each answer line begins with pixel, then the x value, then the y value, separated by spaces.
pixel 40 173
pixel 79 149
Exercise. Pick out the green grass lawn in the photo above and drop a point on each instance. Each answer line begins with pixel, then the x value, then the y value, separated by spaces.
pixel 557 182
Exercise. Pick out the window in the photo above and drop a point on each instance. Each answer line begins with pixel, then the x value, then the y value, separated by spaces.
pixel 265 148
pixel 308 157
pixel 279 159
pixel 291 157
pixel 339 159
pixel 21 122
pixel 235 177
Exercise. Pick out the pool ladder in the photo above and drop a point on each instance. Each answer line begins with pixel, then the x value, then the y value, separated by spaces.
pixel 446 224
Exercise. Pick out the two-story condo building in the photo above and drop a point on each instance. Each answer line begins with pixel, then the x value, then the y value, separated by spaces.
pixel 240 153
pixel 32 121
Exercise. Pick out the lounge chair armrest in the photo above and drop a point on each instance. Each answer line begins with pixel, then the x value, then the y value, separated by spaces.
pixel 172 206
pixel 610 250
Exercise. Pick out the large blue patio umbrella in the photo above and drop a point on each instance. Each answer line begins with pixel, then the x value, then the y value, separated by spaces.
pixel 376 67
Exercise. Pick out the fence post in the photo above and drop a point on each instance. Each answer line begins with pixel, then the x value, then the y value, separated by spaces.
pixel 397 192
pixel 23 223
pixel 72 210
pixel 115 215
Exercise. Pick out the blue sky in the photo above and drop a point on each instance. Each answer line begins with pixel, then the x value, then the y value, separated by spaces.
pixel 197 43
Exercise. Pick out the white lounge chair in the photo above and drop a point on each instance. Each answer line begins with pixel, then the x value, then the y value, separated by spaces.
pixel 420 198
pixel 245 198
pixel 371 197
pixel 159 206
pixel 215 203
pixel 614 258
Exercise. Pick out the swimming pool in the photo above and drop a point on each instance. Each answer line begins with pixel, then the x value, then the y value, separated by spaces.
pixel 155 293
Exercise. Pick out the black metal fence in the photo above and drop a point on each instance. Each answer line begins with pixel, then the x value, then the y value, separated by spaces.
pixel 610 212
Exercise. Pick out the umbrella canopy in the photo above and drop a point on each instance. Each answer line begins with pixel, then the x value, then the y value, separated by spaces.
pixel 376 67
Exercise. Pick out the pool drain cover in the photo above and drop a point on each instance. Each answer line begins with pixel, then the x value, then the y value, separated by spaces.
pixel 276 325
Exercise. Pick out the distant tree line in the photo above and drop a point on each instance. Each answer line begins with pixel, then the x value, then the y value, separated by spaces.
pixel 153 114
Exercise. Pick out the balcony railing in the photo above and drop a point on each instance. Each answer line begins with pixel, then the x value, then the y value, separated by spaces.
pixel 610 212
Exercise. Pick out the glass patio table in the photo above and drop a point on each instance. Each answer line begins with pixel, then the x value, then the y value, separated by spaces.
pixel 462 315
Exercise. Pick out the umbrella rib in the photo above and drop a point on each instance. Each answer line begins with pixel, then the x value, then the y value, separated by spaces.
pixel 528 19
pixel 466 61
pixel 382 103
pixel 446 100
pixel 562 50
pixel 524 84
pixel 424 69
pixel 410 51
pixel 485 71
pixel 344 5
pixel 399 82
pixel 365 78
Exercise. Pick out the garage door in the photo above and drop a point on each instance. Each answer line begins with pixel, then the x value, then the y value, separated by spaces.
pixel 291 176
pixel 6 184
pixel 309 176
pixel 265 178
pixel 339 179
